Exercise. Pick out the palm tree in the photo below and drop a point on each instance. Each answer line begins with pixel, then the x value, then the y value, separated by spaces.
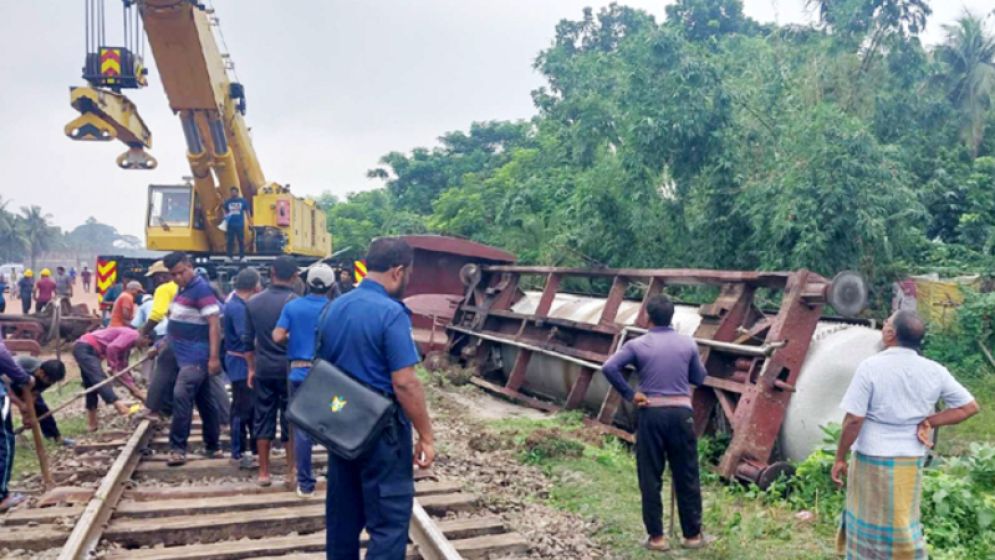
pixel 969 58
pixel 38 234
pixel 11 239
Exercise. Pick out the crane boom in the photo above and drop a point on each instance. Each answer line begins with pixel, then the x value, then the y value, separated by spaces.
pixel 211 108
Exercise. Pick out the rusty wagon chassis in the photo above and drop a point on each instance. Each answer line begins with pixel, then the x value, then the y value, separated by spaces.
pixel 753 359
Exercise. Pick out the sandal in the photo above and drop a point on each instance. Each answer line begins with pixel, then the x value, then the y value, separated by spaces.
pixel 659 547
pixel 701 541
pixel 264 482
pixel 12 500
pixel 176 459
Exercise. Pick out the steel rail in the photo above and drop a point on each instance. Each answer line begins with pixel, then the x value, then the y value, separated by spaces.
pixel 82 542
pixel 431 542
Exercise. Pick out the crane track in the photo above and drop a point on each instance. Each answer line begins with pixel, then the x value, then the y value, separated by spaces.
pixel 208 508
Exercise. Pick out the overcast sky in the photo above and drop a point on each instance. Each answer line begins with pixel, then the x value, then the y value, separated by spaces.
pixel 331 85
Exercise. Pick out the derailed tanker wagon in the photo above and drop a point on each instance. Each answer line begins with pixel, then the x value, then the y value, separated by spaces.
pixel 775 377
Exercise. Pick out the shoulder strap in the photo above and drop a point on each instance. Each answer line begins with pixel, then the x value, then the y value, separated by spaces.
pixel 320 327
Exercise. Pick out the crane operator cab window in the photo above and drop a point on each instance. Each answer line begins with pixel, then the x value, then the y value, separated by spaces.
pixel 170 206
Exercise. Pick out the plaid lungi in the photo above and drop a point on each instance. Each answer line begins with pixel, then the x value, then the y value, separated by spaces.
pixel 881 517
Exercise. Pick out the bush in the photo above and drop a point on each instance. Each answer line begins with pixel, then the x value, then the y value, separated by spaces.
pixel 545 444
pixel 958 499
pixel 958 506
pixel 959 345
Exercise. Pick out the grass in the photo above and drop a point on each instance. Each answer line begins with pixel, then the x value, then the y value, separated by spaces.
pixel 25 458
pixel 601 484
pixel 954 440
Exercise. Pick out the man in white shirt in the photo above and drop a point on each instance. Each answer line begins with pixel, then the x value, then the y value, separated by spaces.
pixel 890 414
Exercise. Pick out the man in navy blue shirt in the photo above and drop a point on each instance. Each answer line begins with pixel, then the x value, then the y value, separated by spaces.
pixel 667 364
pixel 296 328
pixel 10 368
pixel 236 210
pixel 367 334
pixel 238 355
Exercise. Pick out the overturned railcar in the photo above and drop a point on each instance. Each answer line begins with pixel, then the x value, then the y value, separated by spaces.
pixel 775 376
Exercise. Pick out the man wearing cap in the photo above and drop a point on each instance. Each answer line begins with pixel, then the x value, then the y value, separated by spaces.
pixel 124 306
pixel 26 287
pixel 44 290
pixel 296 329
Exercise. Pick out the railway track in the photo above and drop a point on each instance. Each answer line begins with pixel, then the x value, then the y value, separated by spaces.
pixel 209 509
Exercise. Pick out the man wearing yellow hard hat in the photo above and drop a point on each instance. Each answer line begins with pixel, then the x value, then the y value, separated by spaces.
pixel 44 290
pixel 26 287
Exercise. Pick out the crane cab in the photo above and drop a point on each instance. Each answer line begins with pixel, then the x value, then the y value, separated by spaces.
pixel 175 219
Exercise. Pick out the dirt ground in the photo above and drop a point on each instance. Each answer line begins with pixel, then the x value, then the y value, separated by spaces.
pixel 508 488
pixel 79 296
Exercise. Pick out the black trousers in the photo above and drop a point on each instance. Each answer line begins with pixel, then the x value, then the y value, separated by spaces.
pixel 7 439
pixel 49 428
pixel 92 371
pixel 667 434
pixel 193 388
pixel 160 397
pixel 235 234
pixel 242 430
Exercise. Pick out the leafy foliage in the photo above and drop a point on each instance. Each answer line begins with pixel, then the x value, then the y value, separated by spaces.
pixel 958 344
pixel 711 140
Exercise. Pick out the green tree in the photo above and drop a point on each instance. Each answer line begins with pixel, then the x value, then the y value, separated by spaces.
pixel 39 235
pixel 968 57
pixel 366 215
pixel 704 19
pixel 11 237
pixel 837 200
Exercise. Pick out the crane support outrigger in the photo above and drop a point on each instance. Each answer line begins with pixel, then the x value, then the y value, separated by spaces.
pixel 211 107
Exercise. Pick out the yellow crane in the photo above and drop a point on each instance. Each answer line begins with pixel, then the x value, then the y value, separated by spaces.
pixel 211 108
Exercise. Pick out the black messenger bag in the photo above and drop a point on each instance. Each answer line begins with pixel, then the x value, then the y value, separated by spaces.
pixel 337 410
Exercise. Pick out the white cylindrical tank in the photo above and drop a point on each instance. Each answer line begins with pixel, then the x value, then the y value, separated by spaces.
pixel 832 358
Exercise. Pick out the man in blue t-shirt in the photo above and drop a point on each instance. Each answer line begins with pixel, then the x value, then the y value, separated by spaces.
pixel 296 328
pixel 239 347
pixel 368 336
pixel 236 211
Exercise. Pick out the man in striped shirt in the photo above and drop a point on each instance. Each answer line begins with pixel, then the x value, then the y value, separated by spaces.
pixel 194 334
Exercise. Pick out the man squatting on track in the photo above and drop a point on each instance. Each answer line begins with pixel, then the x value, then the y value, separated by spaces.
pixel 46 373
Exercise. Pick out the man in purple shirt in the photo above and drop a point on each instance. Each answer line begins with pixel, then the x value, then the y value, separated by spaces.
pixel 17 376
pixel 667 364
